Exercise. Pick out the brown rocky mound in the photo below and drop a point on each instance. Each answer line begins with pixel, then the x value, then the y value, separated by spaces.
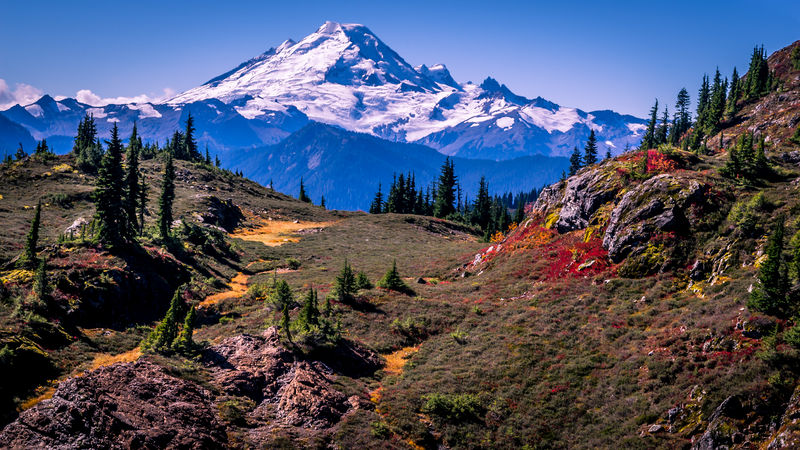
pixel 132 405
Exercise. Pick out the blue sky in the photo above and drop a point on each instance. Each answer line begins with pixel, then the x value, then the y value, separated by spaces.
pixel 586 54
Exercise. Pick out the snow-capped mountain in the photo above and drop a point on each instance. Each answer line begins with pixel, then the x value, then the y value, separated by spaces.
pixel 344 75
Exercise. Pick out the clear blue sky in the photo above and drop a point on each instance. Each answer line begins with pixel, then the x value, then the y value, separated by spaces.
pixel 587 54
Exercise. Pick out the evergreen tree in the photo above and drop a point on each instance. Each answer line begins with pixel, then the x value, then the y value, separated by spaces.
pixel 575 161
pixel 376 207
pixel 87 148
pixel 445 195
pixel 769 295
pixel 757 82
pixel 663 129
pixel 286 323
pixel 162 337
pixel 217 164
pixel 322 202
pixel 309 313
pixel 132 178
pixel 208 157
pixel 393 200
pixel 649 139
pixel 28 258
pixel 142 202
pixel 166 198
pixel 109 196
pixel 281 296
pixel 303 197
pixel 20 153
pixel 703 99
pixel 189 142
pixel 590 150
pixel 345 286
pixel 733 95
pixel 481 210
pixel 683 116
pixel 519 214
pixel 362 281
pixel 392 281
pixel 184 342
pixel 41 287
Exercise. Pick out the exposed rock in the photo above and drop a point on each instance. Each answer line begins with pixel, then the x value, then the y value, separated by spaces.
pixel 222 213
pixel 720 431
pixel 698 270
pixel 287 391
pixel 658 205
pixel 788 435
pixel 131 405
pixel 582 195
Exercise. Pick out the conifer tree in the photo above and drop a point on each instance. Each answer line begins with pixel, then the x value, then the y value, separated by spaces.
pixel 519 214
pixel 28 258
pixel 393 199
pixel 703 99
pixel 575 161
pixel 286 323
pixel 733 95
pixel 162 337
pixel 663 129
pixel 758 80
pixel 392 281
pixel 20 153
pixel 683 116
pixel 109 196
pixel 87 148
pixel 590 150
pixel 322 202
pixel 132 178
pixel 184 342
pixel 345 286
pixel 41 287
pixel 376 207
pixel 649 139
pixel 309 313
pixel 166 198
pixel 362 281
pixel 281 296
pixel 208 157
pixel 769 295
pixel 303 197
pixel 189 142
pixel 481 210
pixel 217 164
pixel 142 203
pixel 445 194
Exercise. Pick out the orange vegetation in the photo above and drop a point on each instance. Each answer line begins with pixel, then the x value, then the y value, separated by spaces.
pixel 273 233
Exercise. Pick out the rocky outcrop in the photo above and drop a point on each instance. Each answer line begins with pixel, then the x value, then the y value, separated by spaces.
pixel 721 426
pixel 222 213
pixel 580 197
pixel 132 405
pixel 287 391
pixel 788 435
pixel 657 205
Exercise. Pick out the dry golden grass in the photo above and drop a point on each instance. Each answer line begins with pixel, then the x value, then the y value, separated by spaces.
pixel 273 233
pixel 238 287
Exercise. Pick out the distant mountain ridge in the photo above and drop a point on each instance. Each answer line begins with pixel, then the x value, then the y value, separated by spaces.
pixel 344 75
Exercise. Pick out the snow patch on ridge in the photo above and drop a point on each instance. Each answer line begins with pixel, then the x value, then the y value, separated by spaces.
pixel 505 122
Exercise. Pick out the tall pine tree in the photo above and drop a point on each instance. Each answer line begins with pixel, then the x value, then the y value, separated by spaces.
pixel 446 193
pixel 575 161
pixel 590 149
pixel 114 226
pixel 376 207
pixel 649 139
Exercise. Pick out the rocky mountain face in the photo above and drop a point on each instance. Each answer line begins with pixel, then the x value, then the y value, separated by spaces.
pixel 344 75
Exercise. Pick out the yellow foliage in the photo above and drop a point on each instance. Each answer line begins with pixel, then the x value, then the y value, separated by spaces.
pixel 498 237
pixel 17 276
pixel 551 219
pixel 62 168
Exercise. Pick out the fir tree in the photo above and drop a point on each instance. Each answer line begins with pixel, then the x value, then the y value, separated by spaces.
pixel 166 198
pixel 142 203
pixel 683 116
pixel 309 313
pixel 757 82
pixel 481 210
pixel 663 130
pixel 376 207
pixel 109 196
pixel 217 164
pixel 208 157
pixel 393 199
pixel 162 337
pixel 769 295
pixel 362 281
pixel 345 286
pixel 445 194
pixel 649 139
pixel 392 281
pixel 322 202
pixel 281 296
pixel 20 153
pixel 519 214
pixel 28 258
pixel 733 95
pixel 303 197
pixel 132 178
pixel 184 342
pixel 87 148
pixel 41 287
pixel 703 99
pixel 575 161
pixel 590 150
pixel 189 143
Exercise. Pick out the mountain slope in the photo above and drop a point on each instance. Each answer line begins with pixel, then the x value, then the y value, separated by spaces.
pixel 346 167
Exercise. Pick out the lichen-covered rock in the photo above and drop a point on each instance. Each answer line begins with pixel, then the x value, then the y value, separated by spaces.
pixel 579 197
pixel 788 434
pixel 655 206
pixel 130 405
pixel 222 213
pixel 722 425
